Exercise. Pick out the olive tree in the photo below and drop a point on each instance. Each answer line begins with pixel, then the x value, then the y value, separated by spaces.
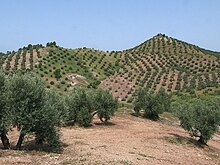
pixel 153 104
pixel 5 114
pixel 83 104
pixel 104 104
pixel 164 100
pixel 201 119
pixel 33 109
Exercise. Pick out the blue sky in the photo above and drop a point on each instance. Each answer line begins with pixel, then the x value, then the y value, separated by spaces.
pixel 107 24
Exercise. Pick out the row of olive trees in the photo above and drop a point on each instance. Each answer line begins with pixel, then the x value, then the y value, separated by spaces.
pixel 25 104
pixel 201 118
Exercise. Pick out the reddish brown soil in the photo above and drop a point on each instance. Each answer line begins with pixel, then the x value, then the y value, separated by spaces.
pixel 161 82
pixel 175 80
pixel 27 63
pixel 126 140
pixel 168 79
pixel 20 60
pixel 12 63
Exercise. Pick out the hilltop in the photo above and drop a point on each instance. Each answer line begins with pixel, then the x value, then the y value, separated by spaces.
pixel 161 61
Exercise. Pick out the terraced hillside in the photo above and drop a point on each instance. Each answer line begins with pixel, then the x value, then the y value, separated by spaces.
pixel 61 68
pixel 161 61
pixel 164 62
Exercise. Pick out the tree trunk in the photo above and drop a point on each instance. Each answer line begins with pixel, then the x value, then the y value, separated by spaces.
pixel 39 139
pixel 20 141
pixel 5 140
pixel 101 119
pixel 201 140
pixel 94 113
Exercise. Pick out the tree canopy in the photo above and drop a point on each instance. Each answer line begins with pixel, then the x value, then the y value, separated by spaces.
pixel 201 118
pixel 153 104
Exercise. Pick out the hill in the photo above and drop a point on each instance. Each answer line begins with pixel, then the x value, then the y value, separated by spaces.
pixel 165 62
pixel 161 61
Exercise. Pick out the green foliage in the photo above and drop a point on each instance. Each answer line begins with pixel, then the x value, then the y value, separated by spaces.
pixel 34 109
pixel 201 118
pixel 104 104
pixel 84 117
pixel 51 44
pixel 153 104
pixel 4 118
pixel 95 84
pixel 83 104
pixel 79 107
pixel 5 114
pixel 55 104
pixel 57 74
pixel 164 100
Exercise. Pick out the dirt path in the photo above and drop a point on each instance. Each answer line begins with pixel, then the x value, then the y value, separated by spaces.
pixel 128 140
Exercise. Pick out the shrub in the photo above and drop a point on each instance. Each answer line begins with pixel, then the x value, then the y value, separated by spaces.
pixel 201 119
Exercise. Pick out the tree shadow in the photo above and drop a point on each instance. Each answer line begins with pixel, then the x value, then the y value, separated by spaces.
pixel 142 116
pixel 135 114
pixel 178 139
pixel 31 145
pixel 108 123
pixel 211 151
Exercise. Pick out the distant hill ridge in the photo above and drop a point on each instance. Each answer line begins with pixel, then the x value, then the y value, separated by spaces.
pixel 161 61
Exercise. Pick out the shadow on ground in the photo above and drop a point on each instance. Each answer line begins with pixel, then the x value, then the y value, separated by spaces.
pixel 104 123
pixel 178 139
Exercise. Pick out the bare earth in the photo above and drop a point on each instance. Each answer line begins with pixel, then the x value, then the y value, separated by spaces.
pixel 127 140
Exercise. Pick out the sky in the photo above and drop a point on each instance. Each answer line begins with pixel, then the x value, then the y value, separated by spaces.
pixel 107 24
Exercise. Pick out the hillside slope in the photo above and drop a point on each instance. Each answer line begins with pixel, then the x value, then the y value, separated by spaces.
pixel 161 61
pixel 164 62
